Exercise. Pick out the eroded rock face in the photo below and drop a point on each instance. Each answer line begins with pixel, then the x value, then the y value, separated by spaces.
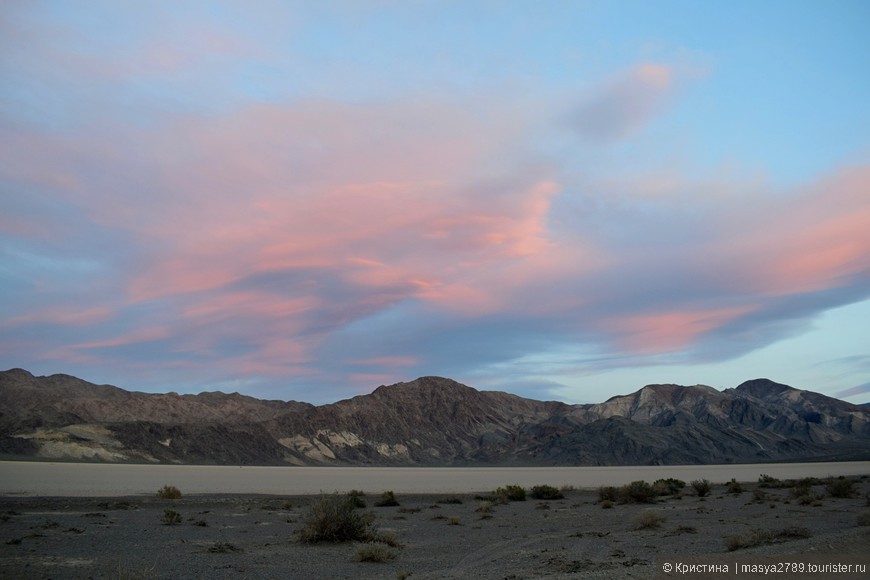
pixel 428 421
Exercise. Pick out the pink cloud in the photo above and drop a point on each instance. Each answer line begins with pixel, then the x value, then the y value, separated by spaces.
pixel 661 332
pixel 62 316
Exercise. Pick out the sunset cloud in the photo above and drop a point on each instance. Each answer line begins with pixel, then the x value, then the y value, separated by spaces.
pixel 215 197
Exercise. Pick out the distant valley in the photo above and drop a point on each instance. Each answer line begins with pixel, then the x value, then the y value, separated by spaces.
pixel 431 421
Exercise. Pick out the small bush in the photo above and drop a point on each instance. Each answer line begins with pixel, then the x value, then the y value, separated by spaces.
pixel 388 538
pixel 761 537
pixel 734 486
pixel 449 500
pixel 374 553
pixel 607 493
pixel 759 495
pixel 170 518
pixel 355 497
pixel 168 492
pixel 388 499
pixel 841 487
pixel 636 492
pixel 512 492
pixel 546 492
pixel 669 486
pixel 864 519
pixel 335 519
pixel 223 548
pixel 649 519
pixel 606 504
pixel 485 507
pixel 454 521
pixel 702 487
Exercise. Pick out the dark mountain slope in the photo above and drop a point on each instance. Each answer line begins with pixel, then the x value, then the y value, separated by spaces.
pixel 428 421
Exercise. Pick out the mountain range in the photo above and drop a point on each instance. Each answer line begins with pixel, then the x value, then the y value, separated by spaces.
pixel 430 421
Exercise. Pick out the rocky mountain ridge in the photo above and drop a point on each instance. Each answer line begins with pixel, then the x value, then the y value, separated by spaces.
pixel 428 421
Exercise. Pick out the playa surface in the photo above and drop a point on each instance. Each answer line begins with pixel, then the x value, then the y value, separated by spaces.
pixel 441 535
pixel 112 479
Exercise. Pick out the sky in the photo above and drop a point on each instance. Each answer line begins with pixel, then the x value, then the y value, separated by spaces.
pixel 562 200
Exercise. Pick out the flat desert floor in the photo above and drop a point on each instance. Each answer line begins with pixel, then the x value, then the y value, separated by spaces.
pixel 439 536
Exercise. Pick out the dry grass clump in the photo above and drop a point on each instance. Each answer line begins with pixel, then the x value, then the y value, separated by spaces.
pixel 606 504
pixel 170 518
pixel 454 521
pixel 335 519
pixel 484 507
pixel 649 519
pixel 374 552
pixel 546 492
pixel 669 486
pixel 388 499
pixel 223 548
pixel 169 492
pixel 761 537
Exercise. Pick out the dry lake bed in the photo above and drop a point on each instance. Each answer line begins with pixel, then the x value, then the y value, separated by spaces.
pixel 106 521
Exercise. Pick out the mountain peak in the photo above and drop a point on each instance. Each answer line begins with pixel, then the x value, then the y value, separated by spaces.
pixel 762 388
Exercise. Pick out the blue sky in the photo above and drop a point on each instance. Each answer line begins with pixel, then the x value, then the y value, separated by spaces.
pixel 559 199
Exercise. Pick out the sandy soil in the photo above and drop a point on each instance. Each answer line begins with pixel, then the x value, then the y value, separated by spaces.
pixel 245 536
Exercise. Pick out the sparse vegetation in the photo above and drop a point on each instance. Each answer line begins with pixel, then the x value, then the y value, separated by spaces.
pixel 388 499
pixel 335 519
pixel 765 480
pixel 454 521
pixel 355 496
pixel 374 552
pixel 223 548
pixel 512 493
pixel 546 492
pixel 607 493
pixel 169 492
pixel 649 519
pixel 170 517
pixel 636 492
pixel 669 486
pixel 734 486
pixel 761 537
pixel 841 487
pixel 606 504
pixel 485 507
pixel 449 500
pixel 702 487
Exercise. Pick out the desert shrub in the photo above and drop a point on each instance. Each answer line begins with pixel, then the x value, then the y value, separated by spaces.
pixel 223 548
pixel 546 492
pixel 649 519
pixel 449 500
pixel 636 492
pixel 841 487
pixel 170 518
pixel 512 492
pixel 864 519
pixel 760 537
pixel 734 486
pixel 388 499
pixel 485 507
pixel 373 552
pixel 454 521
pixel 669 486
pixel 765 480
pixel 607 493
pixel 169 492
pixel 335 519
pixel 606 504
pixel 355 497
pixel 759 494
pixel 702 487
pixel 388 538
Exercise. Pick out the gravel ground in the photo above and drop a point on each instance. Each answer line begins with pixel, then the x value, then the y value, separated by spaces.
pixel 441 536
